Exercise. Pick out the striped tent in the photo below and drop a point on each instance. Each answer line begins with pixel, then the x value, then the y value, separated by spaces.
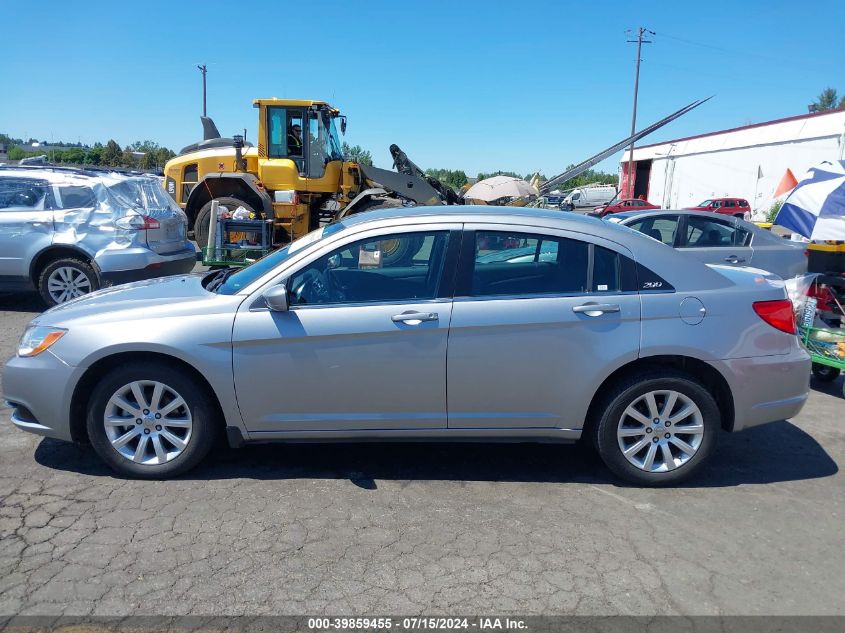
pixel 816 207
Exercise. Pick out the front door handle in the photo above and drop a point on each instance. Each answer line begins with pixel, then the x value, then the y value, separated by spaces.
pixel 414 318
pixel 733 259
pixel 596 309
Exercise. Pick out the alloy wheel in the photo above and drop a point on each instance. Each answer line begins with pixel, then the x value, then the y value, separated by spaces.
pixel 660 431
pixel 148 422
pixel 66 283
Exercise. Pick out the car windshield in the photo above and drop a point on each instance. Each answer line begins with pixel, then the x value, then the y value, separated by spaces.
pixel 706 203
pixel 239 280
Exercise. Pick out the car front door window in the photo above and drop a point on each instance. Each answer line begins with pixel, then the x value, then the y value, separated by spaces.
pixel 390 268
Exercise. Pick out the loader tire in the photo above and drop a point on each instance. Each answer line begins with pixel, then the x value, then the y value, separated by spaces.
pixel 202 219
pixel 395 252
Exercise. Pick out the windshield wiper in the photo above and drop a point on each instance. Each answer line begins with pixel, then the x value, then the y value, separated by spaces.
pixel 219 278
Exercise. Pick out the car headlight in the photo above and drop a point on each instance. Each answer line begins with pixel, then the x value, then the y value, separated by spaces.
pixel 38 338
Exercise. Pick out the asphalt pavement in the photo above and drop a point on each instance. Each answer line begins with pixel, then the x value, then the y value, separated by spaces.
pixel 424 528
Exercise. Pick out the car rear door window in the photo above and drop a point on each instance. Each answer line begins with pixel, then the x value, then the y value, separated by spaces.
pixel 705 232
pixel 21 194
pixel 76 197
pixel 390 268
pixel 528 264
pixel 662 228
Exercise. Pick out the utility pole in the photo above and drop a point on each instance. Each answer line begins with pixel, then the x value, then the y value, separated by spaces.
pixel 640 41
pixel 203 70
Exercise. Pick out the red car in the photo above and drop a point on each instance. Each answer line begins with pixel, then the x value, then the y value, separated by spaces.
pixel 737 207
pixel 624 205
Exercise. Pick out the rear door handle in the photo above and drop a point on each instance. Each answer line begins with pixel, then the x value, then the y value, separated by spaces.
pixel 733 259
pixel 414 318
pixel 596 309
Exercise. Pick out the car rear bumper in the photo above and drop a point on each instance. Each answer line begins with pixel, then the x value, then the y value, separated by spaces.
pixel 767 388
pixel 37 390
pixel 135 264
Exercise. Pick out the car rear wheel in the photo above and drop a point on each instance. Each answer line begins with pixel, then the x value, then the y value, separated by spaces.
pixel 151 421
pixel 203 218
pixel 824 373
pixel 65 279
pixel 657 429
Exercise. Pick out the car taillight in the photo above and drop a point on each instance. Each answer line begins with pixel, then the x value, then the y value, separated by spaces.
pixel 138 222
pixel 777 313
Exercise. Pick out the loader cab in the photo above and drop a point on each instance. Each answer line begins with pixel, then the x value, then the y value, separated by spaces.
pixel 304 133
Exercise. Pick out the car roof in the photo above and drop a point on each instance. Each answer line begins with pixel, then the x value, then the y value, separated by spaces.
pixel 759 233
pixel 69 175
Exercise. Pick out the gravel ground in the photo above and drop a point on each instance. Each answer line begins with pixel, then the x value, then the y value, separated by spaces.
pixel 434 529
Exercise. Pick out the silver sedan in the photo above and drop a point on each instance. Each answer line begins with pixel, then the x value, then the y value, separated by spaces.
pixel 591 330
pixel 719 239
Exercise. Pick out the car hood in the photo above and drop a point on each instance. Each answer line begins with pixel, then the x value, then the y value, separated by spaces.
pixel 179 295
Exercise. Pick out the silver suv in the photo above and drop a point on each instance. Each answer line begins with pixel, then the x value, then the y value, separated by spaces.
pixel 67 232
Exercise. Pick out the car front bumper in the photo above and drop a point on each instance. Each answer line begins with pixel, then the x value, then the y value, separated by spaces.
pixel 767 388
pixel 39 390
pixel 134 264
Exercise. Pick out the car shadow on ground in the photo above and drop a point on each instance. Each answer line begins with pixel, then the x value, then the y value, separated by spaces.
pixel 21 302
pixel 777 452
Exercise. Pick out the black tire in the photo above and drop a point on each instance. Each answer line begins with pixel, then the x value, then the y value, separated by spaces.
pixel 77 264
pixel 202 220
pixel 204 415
pixel 625 393
pixel 405 250
pixel 825 373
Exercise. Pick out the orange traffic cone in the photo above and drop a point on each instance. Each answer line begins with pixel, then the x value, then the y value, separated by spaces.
pixel 787 183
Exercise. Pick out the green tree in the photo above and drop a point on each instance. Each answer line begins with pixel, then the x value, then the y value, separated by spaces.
pixel 356 154
pixel 74 156
pixel 111 155
pixel 93 155
pixel 482 175
pixel 15 153
pixel 828 99
pixel 454 178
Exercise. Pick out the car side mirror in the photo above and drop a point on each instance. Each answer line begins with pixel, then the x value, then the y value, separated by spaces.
pixel 276 298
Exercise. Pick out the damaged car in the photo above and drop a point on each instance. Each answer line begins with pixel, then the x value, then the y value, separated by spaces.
pixel 67 232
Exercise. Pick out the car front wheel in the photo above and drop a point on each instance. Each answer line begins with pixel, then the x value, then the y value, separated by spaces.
pixel 151 421
pixel 657 429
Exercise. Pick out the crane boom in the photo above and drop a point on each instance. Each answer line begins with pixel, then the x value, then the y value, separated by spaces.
pixel 584 166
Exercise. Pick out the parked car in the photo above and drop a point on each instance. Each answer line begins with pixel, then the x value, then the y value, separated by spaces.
pixel 717 240
pixel 620 339
pixel 68 232
pixel 727 206
pixel 588 197
pixel 624 205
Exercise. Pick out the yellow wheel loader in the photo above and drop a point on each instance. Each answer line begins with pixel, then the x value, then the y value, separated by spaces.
pixel 295 174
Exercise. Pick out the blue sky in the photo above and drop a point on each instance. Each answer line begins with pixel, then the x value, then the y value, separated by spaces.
pixel 463 85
